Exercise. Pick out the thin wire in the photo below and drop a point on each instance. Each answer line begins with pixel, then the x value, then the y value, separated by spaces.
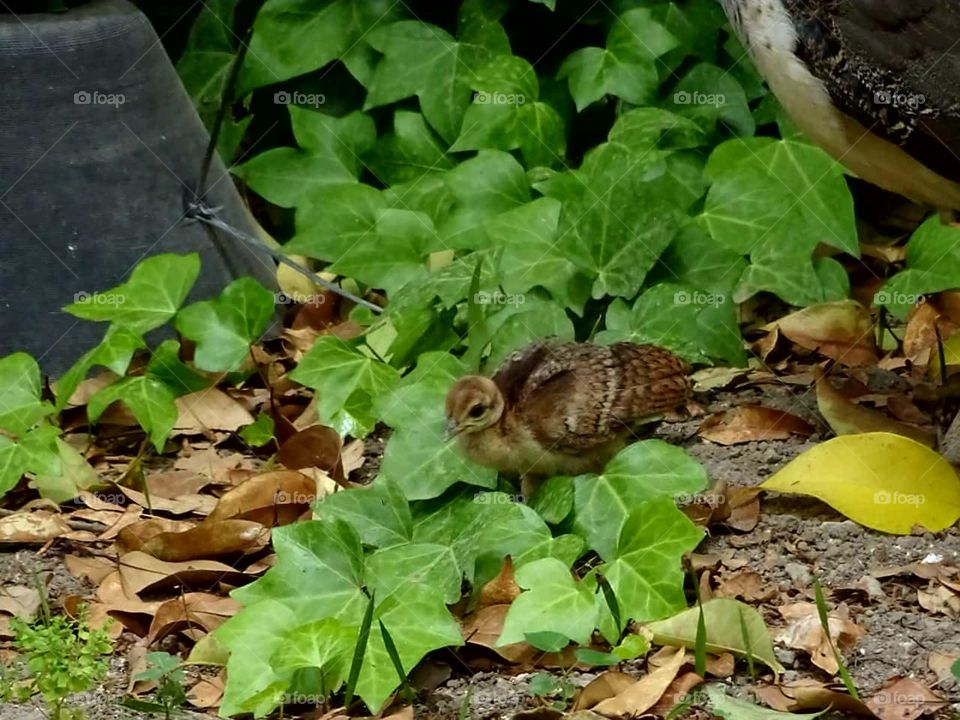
pixel 199 210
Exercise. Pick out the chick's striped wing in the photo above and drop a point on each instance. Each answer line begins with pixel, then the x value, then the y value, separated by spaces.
pixel 576 396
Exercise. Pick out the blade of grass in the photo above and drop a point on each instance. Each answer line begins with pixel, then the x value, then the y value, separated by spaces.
pixel 358 653
pixel 825 624
pixel 747 647
pixel 611 599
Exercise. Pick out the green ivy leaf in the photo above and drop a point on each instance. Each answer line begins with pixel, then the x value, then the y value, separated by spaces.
pixel 155 291
pixel 699 326
pixel 520 324
pixel 259 432
pixel 346 381
pixel 293 37
pixel 709 95
pixel 697 261
pixel 224 328
pixel 72 474
pixel 418 623
pixel 12 464
pixel 553 601
pixel 553 500
pixel 326 645
pixel 626 68
pixel 643 470
pixel 409 153
pixel 532 255
pixel 114 352
pixel 933 265
pixel 396 255
pixel 433 566
pixel 151 401
pixel 379 513
pixel 20 405
pixel 337 220
pixel 318 575
pixel 646 573
pixel 424 60
pixel 619 221
pixel 167 367
pixel 205 66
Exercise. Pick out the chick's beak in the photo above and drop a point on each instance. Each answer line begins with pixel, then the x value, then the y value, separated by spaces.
pixel 451 430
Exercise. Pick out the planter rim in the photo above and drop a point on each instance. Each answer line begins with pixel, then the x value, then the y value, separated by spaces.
pixel 28 33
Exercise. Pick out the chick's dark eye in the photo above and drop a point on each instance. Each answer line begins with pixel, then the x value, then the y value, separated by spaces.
pixel 476 411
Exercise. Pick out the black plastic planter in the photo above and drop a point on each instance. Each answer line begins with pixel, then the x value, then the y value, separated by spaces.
pixel 99 146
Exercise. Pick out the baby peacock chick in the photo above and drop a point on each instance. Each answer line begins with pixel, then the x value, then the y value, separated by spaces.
pixel 563 409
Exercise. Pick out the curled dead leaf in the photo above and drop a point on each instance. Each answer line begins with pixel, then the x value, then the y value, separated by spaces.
pixel 804 632
pixel 271 499
pixel 840 330
pixel 197 610
pixel 32 527
pixel 904 699
pixel 644 694
pixel 752 422
pixel 143 573
pixel 848 418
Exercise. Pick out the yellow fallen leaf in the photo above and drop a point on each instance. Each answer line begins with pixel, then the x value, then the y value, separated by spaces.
pixel 882 481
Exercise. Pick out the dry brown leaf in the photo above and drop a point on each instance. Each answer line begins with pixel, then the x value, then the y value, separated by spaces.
pixel 210 463
pixel 102 501
pixel 804 632
pixel 97 614
pixel 939 599
pixel 676 693
pixel 606 685
pixel 920 337
pixel 93 568
pixel 19 600
pixel 135 535
pixel 314 447
pixel 644 694
pixel 179 506
pixel 804 695
pixel 503 589
pixel 206 693
pixel 840 330
pixel 271 499
pixel 924 570
pixel 136 664
pixel 32 527
pixel 867 586
pixel 198 610
pixel 209 409
pixel 848 418
pixel 752 422
pixel 904 699
pixel 208 539
pixel 175 483
pixel 748 586
pixel 941 664
pixel 352 457
pixel 142 573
